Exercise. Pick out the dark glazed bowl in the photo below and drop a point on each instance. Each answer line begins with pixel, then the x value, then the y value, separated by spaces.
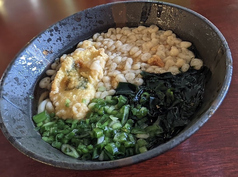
pixel 18 84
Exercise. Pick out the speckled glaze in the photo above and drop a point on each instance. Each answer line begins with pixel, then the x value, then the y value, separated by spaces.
pixel 18 89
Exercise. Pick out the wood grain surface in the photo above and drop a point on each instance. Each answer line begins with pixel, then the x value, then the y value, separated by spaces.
pixel 212 151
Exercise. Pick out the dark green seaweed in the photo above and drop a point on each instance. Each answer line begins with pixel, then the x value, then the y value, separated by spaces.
pixel 170 99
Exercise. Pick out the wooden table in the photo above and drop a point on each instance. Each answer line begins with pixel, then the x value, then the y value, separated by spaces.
pixel 212 151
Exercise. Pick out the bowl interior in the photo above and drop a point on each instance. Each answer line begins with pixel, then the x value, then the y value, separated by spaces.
pixel 19 91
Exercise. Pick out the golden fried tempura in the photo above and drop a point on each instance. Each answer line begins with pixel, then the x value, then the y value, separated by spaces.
pixel 75 82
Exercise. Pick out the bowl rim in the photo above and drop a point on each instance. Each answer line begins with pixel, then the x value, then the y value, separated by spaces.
pixel 92 165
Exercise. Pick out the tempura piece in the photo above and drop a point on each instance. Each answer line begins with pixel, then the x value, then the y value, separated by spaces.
pixel 74 84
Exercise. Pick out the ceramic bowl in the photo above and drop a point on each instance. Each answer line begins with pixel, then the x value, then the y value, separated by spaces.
pixel 18 83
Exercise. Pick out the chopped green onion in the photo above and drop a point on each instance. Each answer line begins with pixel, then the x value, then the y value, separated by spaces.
pixel 97 132
pixel 39 124
pixel 122 100
pixel 69 150
pixel 125 109
pixel 142 136
pixel 113 118
pixel 100 140
pixel 56 144
pixel 141 142
pixel 120 137
pixel 84 101
pixel 111 148
pixel 48 139
pixel 41 117
pixel 67 102
pixel 116 126
pixel 142 149
pixel 91 105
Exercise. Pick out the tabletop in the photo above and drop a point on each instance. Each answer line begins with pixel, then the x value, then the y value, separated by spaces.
pixel 211 151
